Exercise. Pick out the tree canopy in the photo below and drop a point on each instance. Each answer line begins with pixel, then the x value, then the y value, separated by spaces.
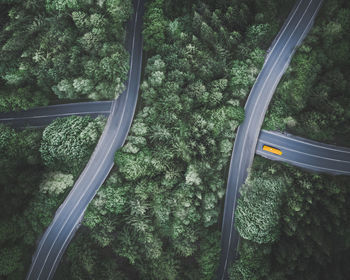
pixel 313 98
pixel 308 232
pixel 30 192
pixel 158 215
pixel 56 49
pixel 67 143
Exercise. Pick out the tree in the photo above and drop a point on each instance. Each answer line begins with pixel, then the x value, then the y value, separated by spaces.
pixel 64 37
pixel 62 5
pixel 243 77
pixel 209 254
pixel 253 262
pixel 155 24
pixel 68 142
pixel 17 149
pixel 312 227
pixel 10 260
pixel 110 200
pixel 258 212
pixel 55 183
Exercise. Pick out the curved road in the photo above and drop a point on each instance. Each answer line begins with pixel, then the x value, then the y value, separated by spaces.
pixel 304 153
pixel 68 217
pixel 43 116
pixel 293 32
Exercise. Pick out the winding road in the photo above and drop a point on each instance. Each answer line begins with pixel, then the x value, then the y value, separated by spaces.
pixel 280 53
pixel 68 217
pixel 304 153
pixel 43 116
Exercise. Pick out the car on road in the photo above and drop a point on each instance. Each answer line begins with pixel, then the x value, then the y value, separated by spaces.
pixel 272 150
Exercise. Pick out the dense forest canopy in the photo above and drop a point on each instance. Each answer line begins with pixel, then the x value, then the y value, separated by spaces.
pixel 313 100
pixel 69 50
pixel 158 215
pixel 306 236
pixel 303 228
pixel 37 170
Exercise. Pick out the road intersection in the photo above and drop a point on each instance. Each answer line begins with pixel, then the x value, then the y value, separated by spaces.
pixel 280 53
pixel 249 141
pixel 69 215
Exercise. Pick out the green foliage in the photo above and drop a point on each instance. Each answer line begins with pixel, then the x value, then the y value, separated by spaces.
pixel 313 227
pixel 7 147
pixel 75 50
pixel 27 202
pixel 257 214
pixel 62 49
pixel 156 217
pixel 155 25
pixel 312 100
pixel 56 182
pixel 110 200
pixel 21 228
pixel 257 35
pixel 67 143
pixel 13 99
pixel 10 260
pixel 62 5
pixel 209 255
pixel 18 146
pixel 244 73
pixel 158 213
pixel 253 263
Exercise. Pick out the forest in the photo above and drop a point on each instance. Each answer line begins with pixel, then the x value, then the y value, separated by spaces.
pixel 300 230
pixel 37 170
pixel 313 99
pixel 158 215
pixel 57 51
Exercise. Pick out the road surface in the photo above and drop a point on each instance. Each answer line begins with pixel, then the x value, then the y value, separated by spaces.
pixel 280 53
pixel 68 217
pixel 297 151
pixel 43 116
pixel 304 153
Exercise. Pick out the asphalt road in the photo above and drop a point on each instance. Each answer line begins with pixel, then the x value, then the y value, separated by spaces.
pixel 43 116
pixel 68 217
pixel 280 53
pixel 304 153
pixel 297 151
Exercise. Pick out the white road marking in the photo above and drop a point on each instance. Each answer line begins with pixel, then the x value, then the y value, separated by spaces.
pixel 245 136
pixel 57 115
pixel 346 150
pixel 116 134
pixel 303 164
pixel 276 43
pixel 299 152
pixel 88 166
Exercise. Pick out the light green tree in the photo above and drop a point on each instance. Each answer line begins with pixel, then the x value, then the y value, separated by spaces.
pixel 68 142
pixel 258 210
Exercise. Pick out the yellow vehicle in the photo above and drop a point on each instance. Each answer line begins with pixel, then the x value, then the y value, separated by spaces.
pixel 272 150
